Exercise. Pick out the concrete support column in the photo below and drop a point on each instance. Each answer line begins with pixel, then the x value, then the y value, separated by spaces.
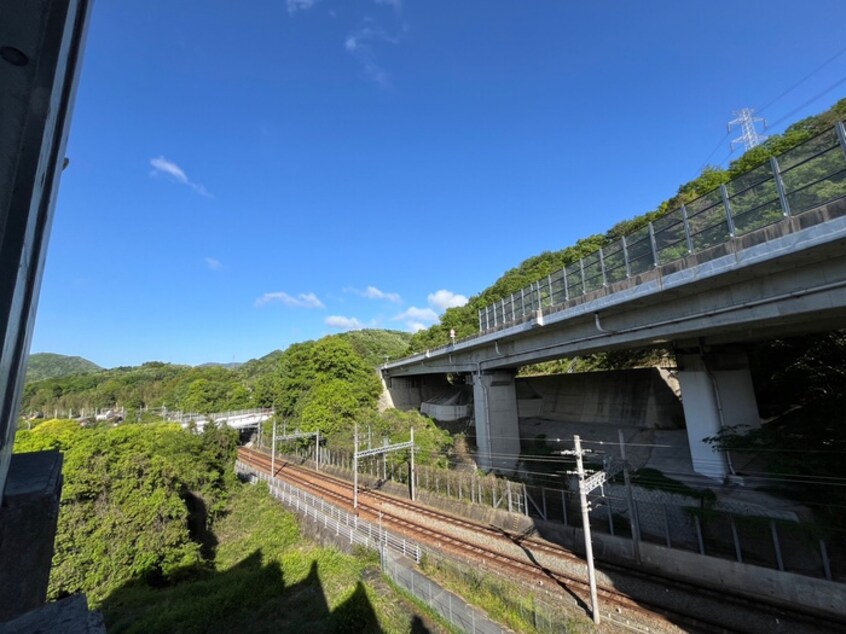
pixel 497 429
pixel 716 392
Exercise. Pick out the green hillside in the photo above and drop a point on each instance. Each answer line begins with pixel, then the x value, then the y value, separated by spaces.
pixel 329 380
pixel 47 365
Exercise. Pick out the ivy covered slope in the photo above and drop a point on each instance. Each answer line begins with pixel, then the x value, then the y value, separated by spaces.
pixel 465 320
pixel 350 357
pixel 46 365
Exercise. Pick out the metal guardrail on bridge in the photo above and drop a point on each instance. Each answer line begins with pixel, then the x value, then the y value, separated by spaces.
pixel 808 176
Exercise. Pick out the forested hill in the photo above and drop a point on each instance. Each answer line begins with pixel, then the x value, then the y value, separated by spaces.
pixel 46 365
pixel 308 381
pixel 465 319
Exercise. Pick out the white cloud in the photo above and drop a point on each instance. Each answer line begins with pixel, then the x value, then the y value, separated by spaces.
pixel 417 318
pixel 213 264
pixel 360 43
pixel 371 292
pixel 170 169
pixel 299 5
pixel 444 299
pixel 413 313
pixel 343 323
pixel 303 300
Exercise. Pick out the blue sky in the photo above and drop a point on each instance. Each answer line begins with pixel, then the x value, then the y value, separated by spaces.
pixel 245 175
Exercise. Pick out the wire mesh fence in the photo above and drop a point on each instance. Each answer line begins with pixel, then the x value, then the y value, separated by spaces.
pixel 665 519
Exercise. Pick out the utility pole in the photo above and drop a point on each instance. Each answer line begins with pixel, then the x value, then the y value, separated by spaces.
pixel 749 137
pixel 355 468
pixel 583 490
pixel 273 452
pixel 317 451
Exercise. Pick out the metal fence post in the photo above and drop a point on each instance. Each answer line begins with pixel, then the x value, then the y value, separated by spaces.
pixel 736 539
pixel 602 267
pixel 825 561
pixel 729 219
pixel 582 269
pixel 626 257
pixel 699 534
pixel 653 244
pixel 776 545
pixel 841 135
pixel 782 197
pixel 566 284
pixel 686 224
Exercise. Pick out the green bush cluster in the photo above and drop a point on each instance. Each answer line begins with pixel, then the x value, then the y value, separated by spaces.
pixel 136 500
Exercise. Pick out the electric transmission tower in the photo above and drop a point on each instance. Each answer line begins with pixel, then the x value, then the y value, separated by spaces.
pixel 746 120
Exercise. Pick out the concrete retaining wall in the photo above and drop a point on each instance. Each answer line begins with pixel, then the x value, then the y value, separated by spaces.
pixel 408 393
pixel 639 397
pixel 445 412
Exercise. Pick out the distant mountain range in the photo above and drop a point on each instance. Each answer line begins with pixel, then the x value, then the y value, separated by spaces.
pixel 47 365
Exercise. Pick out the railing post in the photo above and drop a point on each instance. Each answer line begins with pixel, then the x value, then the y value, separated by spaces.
pixel 626 257
pixel 727 206
pixel 782 197
pixel 480 321
pixel 513 310
pixel 522 302
pixel 602 267
pixel 566 285
pixel 582 269
pixel 653 244
pixel 841 135
pixel 494 313
pixel 686 223
pixel 549 281
pixel 776 545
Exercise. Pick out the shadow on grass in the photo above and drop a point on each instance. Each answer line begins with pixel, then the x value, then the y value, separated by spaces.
pixel 248 597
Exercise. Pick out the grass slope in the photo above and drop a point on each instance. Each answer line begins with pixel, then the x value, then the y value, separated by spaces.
pixel 265 578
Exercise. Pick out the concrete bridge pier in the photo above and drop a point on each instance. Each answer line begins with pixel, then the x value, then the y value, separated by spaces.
pixel 716 392
pixel 497 428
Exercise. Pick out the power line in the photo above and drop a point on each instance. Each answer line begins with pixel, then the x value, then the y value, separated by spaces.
pixel 803 80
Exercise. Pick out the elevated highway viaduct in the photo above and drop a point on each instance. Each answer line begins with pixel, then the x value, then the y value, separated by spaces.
pixel 784 279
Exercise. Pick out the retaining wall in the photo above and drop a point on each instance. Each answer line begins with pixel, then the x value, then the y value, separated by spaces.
pixel 643 397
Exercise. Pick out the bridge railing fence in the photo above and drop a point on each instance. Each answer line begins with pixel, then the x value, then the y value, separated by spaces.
pixel 803 178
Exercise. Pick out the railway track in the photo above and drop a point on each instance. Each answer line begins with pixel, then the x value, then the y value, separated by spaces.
pixel 644 602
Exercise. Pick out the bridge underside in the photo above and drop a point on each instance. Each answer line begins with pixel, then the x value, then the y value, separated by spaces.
pixel 790 285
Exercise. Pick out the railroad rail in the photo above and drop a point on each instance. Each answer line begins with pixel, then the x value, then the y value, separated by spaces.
pixel 649 600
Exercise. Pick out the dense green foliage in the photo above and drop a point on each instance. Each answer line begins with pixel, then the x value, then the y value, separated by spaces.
pixel 158 533
pixel 47 365
pixel 285 379
pixel 465 320
pixel 136 501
